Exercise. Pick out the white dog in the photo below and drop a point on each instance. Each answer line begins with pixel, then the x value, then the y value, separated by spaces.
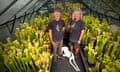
pixel 70 55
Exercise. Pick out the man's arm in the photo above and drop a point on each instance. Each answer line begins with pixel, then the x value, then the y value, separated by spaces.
pixel 50 35
pixel 63 29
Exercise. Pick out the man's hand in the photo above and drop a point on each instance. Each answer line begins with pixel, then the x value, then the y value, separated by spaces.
pixel 50 35
pixel 53 43
pixel 79 41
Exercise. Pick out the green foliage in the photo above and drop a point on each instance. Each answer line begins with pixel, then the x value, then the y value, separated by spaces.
pixel 102 45
pixel 91 53
pixel 39 22
pixel 30 51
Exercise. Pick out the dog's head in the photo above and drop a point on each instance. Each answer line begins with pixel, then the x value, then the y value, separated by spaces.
pixel 64 49
pixel 66 52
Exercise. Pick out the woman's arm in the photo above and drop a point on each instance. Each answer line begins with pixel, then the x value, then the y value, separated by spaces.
pixel 69 20
pixel 81 36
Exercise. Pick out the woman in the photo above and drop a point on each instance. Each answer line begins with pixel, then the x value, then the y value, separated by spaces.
pixel 76 32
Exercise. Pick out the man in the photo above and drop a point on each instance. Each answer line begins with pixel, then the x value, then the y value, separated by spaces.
pixel 55 28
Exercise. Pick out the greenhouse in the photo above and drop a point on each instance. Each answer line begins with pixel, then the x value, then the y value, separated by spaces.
pixel 59 35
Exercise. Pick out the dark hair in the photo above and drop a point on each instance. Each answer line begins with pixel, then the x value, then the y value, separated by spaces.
pixel 57 10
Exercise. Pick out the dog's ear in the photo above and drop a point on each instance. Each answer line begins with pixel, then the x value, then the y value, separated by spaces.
pixel 63 52
pixel 65 49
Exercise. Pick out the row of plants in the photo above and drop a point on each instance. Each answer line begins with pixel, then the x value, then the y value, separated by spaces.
pixel 102 46
pixel 30 51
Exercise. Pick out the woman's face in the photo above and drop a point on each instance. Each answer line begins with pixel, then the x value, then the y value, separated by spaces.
pixel 77 15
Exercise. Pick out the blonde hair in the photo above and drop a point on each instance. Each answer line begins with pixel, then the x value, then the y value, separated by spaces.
pixel 77 10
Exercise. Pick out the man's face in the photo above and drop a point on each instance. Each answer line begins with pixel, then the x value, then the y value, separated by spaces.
pixel 57 15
